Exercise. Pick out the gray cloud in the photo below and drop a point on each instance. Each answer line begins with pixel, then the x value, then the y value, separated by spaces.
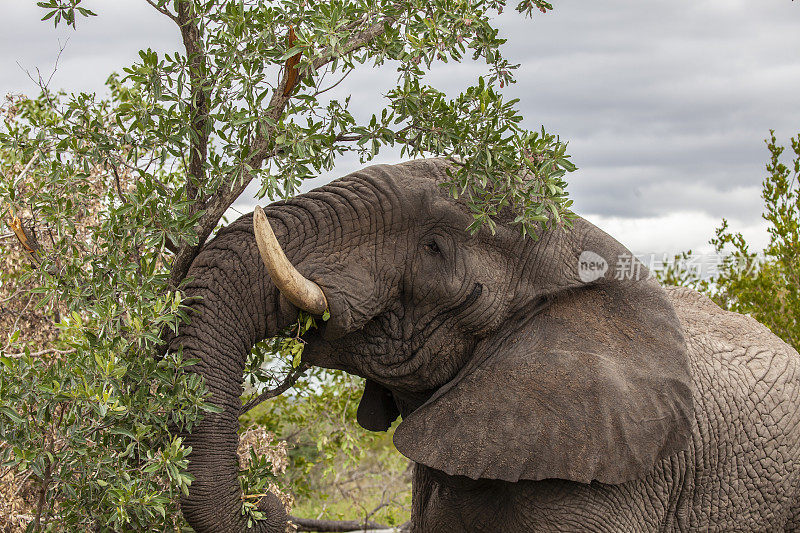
pixel 100 45
pixel 665 104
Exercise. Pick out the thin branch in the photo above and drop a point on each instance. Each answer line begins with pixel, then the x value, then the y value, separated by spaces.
pixel 350 137
pixel 117 181
pixel 43 85
pixel 55 65
pixel 346 74
pixel 25 170
pixel 20 483
pixel 13 295
pixel 344 137
pixel 48 351
pixel 378 507
pixel 287 383
pixel 133 168
pixel 163 10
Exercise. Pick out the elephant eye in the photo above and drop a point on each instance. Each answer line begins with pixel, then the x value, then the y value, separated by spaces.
pixel 432 247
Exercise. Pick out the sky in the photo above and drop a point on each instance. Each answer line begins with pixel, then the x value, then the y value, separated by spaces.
pixel 665 104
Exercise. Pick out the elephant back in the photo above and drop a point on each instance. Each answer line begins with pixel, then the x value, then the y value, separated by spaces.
pixel 747 408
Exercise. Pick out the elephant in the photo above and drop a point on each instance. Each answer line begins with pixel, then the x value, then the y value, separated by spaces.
pixel 539 389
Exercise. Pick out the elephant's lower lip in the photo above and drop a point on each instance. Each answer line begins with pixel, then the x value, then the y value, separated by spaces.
pixel 322 331
pixel 318 351
pixel 314 340
pixel 314 334
pixel 331 329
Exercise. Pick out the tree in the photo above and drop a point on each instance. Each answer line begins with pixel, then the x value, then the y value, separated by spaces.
pixel 111 198
pixel 766 284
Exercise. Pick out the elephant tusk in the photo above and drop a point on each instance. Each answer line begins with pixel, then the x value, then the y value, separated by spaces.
pixel 302 292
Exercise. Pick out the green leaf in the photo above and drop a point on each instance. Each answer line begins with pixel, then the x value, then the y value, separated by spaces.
pixel 12 415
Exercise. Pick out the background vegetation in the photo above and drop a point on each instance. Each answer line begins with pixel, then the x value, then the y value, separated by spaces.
pixel 764 284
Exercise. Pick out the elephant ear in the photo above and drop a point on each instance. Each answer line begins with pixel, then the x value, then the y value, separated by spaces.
pixel 593 384
pixel 377 409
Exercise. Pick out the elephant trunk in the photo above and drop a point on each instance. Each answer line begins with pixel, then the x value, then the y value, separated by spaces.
pixel 234 305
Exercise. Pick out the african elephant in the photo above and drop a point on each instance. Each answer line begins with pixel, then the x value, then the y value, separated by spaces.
pixel 537 393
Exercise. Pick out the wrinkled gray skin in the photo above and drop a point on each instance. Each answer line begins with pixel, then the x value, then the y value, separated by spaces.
pixel 532 400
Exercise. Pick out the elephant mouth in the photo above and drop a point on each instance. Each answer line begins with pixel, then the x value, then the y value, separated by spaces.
pixel 321 351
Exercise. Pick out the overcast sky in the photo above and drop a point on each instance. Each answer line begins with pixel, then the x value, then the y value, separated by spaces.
pixel 665 104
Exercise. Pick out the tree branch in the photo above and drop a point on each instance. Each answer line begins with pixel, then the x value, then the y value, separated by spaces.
pixel 356 42
pixel 290 380
pixel 26 238
pixel 42 352
pixel 162 10
pixel 319 92
pixel 117 182
pixel 330 526
pixel 198 103
pixel 45 482
pixel 235 183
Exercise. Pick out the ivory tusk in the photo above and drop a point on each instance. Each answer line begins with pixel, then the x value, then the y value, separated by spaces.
pixel 302 292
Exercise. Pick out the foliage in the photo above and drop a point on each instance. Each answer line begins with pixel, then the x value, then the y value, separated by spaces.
pixel 766 284
pixel 680 271
pixel 91 417
pixel 377 488
pixel 261 463
pixel 336 468
pixel 58 10
pixel 111 197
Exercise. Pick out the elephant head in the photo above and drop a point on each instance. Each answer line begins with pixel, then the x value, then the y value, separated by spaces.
pixel 509 358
